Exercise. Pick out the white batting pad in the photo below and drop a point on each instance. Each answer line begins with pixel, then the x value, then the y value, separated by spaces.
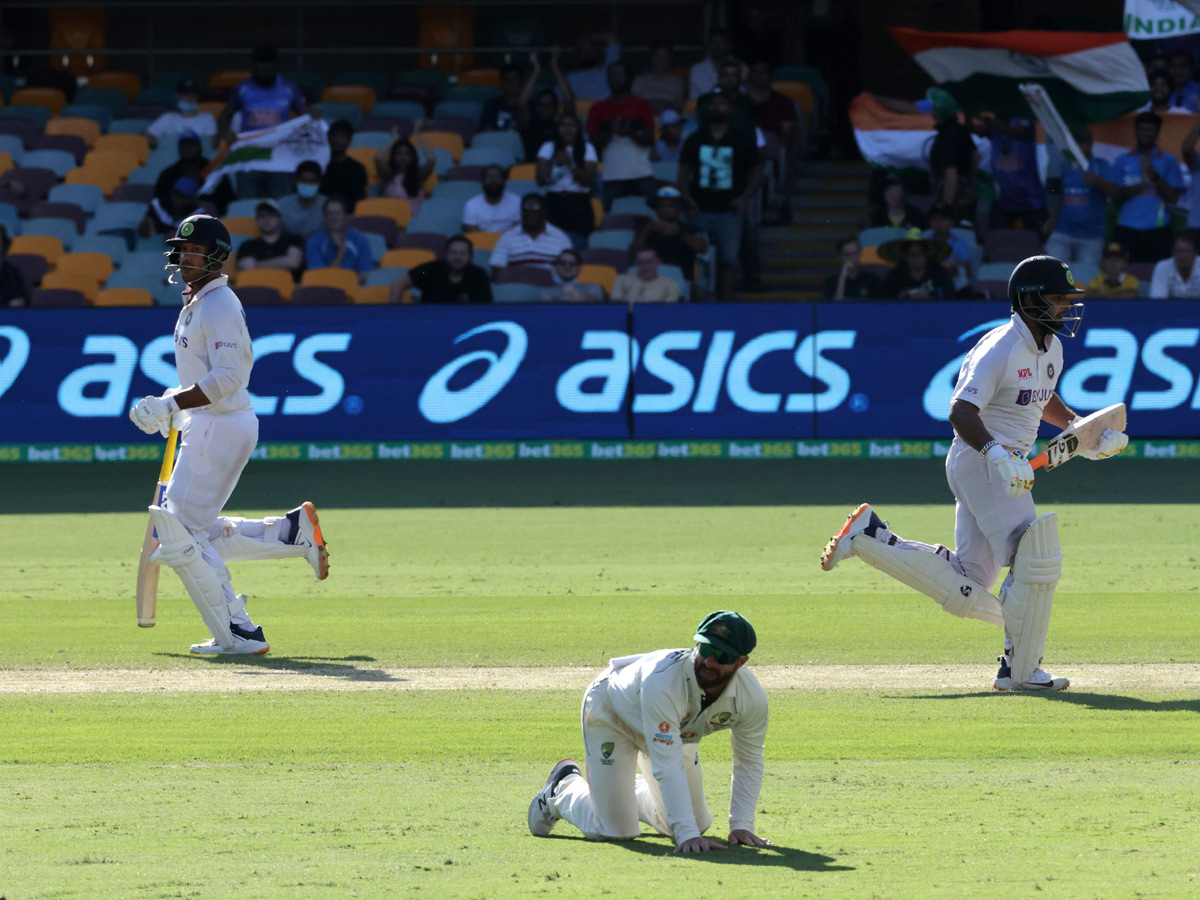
pixel 183 553
pixel 240 540
pixel 1026 602
pixel 933 576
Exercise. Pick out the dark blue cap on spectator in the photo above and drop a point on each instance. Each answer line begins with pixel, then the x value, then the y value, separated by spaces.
pixel 188 86
pixel 189 135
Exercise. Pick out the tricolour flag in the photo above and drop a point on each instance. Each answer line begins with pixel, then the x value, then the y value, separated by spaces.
pixel 1091 77
pixel 277 149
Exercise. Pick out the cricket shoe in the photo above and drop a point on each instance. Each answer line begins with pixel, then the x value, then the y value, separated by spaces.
pixel 862 521
pixel 541 819
pixel 1040 680
pixel 306 533
pixel 245 643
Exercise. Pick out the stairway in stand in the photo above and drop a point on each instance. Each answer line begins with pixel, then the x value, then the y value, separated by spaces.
pixel 828 202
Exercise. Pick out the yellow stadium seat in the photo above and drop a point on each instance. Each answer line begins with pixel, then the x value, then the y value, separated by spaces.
pixel 279 279
pixel 406 258
pixel 601 275
pixel 484 240
pixel 123 297
pixel 583 107
pixel 358 94
pixel 121 160
pixel 48 248
pixel 6 162
pixel 430 183
pixel 87 129
pixel 247 225
pixel 228 79
pixel 377 293
pixel 85 284
pixel 345 279
pixel 597 211
pixel 127 82
pixel 523 172
pixel 870 257
pixel 134 144
pixel 105 179
pixel 799 91
pixel 395 209
pixel 446 140
pixel 488 77
pixel 689 107
pixel 51 98
pixel 366 156
pixel 94 265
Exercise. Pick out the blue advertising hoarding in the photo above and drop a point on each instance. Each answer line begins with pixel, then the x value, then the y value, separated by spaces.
pixel 774 371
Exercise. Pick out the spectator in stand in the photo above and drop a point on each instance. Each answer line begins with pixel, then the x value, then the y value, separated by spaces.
pixel 1113 282
pixel 453 279
pixel 918 274
pixel 894 211
pixel 953 159
pixel 676 242
pixel 658 85
pixel 496 209
pixel 1185 92
pixel 400 167
pixel 1161 93
pixel 344 176
pixel 958 263
pixel 670 137
pixel 729 82
pixel 191 163
pixel 185 117
pixel 274 248
pixel 1019 193
pixel 720 171
pixel 851 282
pixel 704 75
pixel 1077 230
pixel 164 218
pixel 533 242
pixel 1178 276
pixel 337 245
pixel 566 168
pixel 596 52
pixel 542 125
pixel 264 99
pixel 304 209
pixel 775 115
pixel 504 112
pixel 13 291
pixel 1192 161
pixel 567 286
pixel 645 284
pixel 1149 182
pixel 622 128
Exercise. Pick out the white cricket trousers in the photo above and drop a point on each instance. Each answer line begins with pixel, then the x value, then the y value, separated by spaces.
pixel 610 802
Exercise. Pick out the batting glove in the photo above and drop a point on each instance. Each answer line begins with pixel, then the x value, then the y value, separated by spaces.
pixel 153 414
pixel 1015 472
pixel 1110 444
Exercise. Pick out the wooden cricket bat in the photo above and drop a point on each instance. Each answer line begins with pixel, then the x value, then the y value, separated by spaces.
pixel 1085 435
pixel 147 577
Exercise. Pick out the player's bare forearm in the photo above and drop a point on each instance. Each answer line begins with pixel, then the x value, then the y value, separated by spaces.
pixel 964 418
pixel 192 398
pixel 1057 413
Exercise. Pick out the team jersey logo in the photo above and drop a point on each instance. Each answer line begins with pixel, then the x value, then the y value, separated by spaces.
pixel 606 749
pixel 664 727
pixel 1049 370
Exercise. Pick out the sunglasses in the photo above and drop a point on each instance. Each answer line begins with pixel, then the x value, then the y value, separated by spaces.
pixel 722 657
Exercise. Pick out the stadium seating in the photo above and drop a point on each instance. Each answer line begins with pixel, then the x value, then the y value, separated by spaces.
pixel 114 99
pixel 617 259
pixel 407 258
pixel 450 141
pixel 489 77
pixel 70 212
pixel 383 276
pixel 33 267
pixel 530 275
pixel 485 240
pixel 13 147
pixel 514 293
pixel 632 206
pixel 595 274
pixel 134 145
pixel 59 162
pixel 375 80
pixel 488 156
pixel 1010 245
pixel 277 280
pixel 358 94
pixel 133 193
pixel 253 295
pixel 67 143
pixel 47 247
pixel 98 112
pixel 375 294
pixel 84 284
pixel 333 110
pixel 35 116
pixel 126 82
pixel 227 79
pixel 57 297
pixel 123 297
pixel 9 219
pixel 96 266
pixel 503 140
pixel 247 225
pixel 380 231
pixel 36 184
pixel 319 295
pixel 130 126
pixel 86 129
pixel 398 109
pixel 48 98
pixel 393 208
pixel 343 279
pixel 112 246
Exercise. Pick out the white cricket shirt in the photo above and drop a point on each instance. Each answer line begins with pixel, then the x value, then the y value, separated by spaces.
pixel 1011 380
pixel 212 347
pixel 656 699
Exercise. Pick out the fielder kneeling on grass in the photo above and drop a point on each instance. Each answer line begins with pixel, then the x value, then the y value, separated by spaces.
pixel 1005 389
pixel 218 432
pixel 649 711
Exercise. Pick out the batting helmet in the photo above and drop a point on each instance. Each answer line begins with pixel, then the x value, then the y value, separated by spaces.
pixel 206 231
pixel 1032 280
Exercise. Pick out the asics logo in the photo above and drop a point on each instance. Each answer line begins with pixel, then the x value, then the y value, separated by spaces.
pixel 442 403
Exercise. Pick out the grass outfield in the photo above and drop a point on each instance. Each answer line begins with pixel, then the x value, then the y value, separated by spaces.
pixel 411 705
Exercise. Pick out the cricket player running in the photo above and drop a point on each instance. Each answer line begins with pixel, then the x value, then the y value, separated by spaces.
pixel 649 711
pixel 218 432
pixel 1005 388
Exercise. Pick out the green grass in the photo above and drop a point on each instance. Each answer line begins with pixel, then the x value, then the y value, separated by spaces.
pixel 899 791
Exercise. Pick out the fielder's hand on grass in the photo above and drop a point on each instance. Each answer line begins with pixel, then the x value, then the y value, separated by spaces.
pixel 1015 472
pixel 748 838
pixel 699 845
pixel 1111 443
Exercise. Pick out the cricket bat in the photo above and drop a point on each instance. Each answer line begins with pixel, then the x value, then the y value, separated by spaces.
pixel 1084 435
pixel 147 576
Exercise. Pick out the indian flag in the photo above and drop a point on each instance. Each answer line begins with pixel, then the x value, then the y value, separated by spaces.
pixel 1091 77
pixel 277 149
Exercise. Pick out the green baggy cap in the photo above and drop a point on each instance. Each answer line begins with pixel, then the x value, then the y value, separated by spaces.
pixel 728 632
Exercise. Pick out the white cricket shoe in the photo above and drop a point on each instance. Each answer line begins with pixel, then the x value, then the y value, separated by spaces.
pixel 1040 680
pixel 862 519
pixel 541 820
pixel 308 535
pixel 245 643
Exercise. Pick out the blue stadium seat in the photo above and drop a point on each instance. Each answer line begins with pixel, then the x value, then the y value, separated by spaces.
pixel 110 245
pixel 164 96
pixel 447 226
pixel 523 187
pixel 38 115
pixel 515 293
pixel 459 109
pixel 236 240
pixel 384 276
pixel 113 98
pixel 398 109
pixel 458 191
pixel 146 264
pixel 242 207
pixel 443 162
pixel 154 246
pixel 10 219
pixel 873 237
pixel 129 126
pixel 471 93
pixel 505 140
pixel 632 206
pixel 60 162
pixel 378 244
pixel 98 112
pixel 63 229
pixel 375 80
pixel 144 175
pixel 666 171
pixel 616 239
pixel 373 139
pixel 13 146
pixel 334 110
pixel 487 156
pixel 483 259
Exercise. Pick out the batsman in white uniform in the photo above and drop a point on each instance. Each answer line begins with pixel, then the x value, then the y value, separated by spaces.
pixel 1005 389
pixel 218 431
pixel 650 711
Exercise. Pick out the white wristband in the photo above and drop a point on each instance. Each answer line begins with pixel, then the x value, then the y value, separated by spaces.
pixel 171 404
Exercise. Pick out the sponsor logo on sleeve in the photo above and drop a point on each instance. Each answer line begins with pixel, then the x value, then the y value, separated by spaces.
pixel 606 750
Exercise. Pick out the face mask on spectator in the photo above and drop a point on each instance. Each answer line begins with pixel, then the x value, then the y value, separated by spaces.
pixel 307 191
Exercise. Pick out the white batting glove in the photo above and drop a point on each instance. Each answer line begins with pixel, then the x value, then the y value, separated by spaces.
pixel 153 414
pixel 1111 443
pixel 1015 472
